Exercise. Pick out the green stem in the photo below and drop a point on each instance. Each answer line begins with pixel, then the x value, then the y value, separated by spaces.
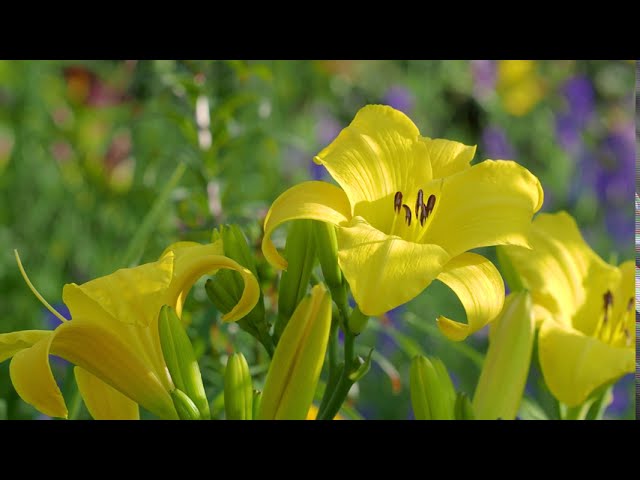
pixel 76 404
pixel 333 364
pixel 344 383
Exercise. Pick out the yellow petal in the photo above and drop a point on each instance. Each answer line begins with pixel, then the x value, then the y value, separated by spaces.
pixel 98 351
pixel 32 378
pixel 103 401
pixel 574 365
pixel 385 271
pixel 308 200
pixel 12 343
pixel 313 414
pixel 378 154
pixel 129 295
pixel 192 261
pixel 490 203
pixel 479 286
pixel 562 272
pixel 448 157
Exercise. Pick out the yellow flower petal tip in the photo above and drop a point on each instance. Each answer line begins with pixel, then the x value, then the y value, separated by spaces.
pixel 584 306
pixel 405 206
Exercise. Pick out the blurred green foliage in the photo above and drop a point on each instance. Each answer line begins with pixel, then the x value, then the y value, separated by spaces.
pixel 88 149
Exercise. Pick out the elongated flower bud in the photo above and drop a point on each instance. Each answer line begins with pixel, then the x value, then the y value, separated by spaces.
pixel 327 252
pixel 300 252
pixel 185 407
pixel 464 409
pixel 432 393
pixel 506 366
pixel 257 400
pixel 226 287
pixel 294 371
pixel 181 359
pixel 238 391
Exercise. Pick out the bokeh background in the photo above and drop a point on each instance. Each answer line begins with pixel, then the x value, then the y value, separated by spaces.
pixel 104 163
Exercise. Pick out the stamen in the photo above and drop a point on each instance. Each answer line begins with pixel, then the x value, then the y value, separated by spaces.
pixel 608 301
pixel 35 292
pixel 423 214
pixel 407 214
pixel 419 203
pixel 397 202
pixel 430 204
pixel 630 304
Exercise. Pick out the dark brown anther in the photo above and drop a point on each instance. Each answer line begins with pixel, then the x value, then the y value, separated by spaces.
pixel 423 214
pixel 608 299
pixel 397 202
pixel 630 304
pixel 419 203
pixel 430 204
pixel 407 214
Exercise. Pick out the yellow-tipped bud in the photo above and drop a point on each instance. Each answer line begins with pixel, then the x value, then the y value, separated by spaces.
pixel 181 359
pixel 432 394
pixel 506 366
pixel 294 371
pixel 238 391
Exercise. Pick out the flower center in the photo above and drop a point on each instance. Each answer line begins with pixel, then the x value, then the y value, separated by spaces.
pixel 407 227
pixel 614 330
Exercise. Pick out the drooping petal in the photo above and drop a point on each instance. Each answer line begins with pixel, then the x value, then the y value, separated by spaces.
pixel 479 286
pixel 308 200
pixel 12 343
pixel 490 203
pixel 378 154
pixel 32 378
pixel 98 351
pixel 385 271
pixel 574 364
pixel 192 261
pixel 564 275
pixel 103 401
pixel 448 157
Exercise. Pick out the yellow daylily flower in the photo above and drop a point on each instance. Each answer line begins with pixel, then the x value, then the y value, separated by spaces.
pixel 519 85
pixel 113 336
pixel 407 211
pixel 583 306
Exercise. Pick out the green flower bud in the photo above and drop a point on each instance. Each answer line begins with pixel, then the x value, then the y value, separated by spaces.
pixel 181 360
pixel 295 368
pixel 432 393
pixel 257 400
pixel 185 407
pixel 464 409
pixel 226 286
pixel 238 391
pixel 300 252
pixel 506 366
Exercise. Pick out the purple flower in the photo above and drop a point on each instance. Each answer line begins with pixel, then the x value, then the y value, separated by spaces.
pixel 580 97
pixel 327 129
pixel 51 321
pixel 399 98
pixel 484 77
pixel 496 145
pixel 621 396
pixel 568 133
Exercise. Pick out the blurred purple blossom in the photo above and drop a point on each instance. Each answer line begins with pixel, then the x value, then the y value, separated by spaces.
pixel 496 145
pixel 580 96
pixel 621 397
pixel 327 129
pixel 399 98
pixel 568 133
pixel 484 77
pixel 51 321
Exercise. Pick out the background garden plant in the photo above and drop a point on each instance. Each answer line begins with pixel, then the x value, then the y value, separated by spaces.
pixel 104 164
